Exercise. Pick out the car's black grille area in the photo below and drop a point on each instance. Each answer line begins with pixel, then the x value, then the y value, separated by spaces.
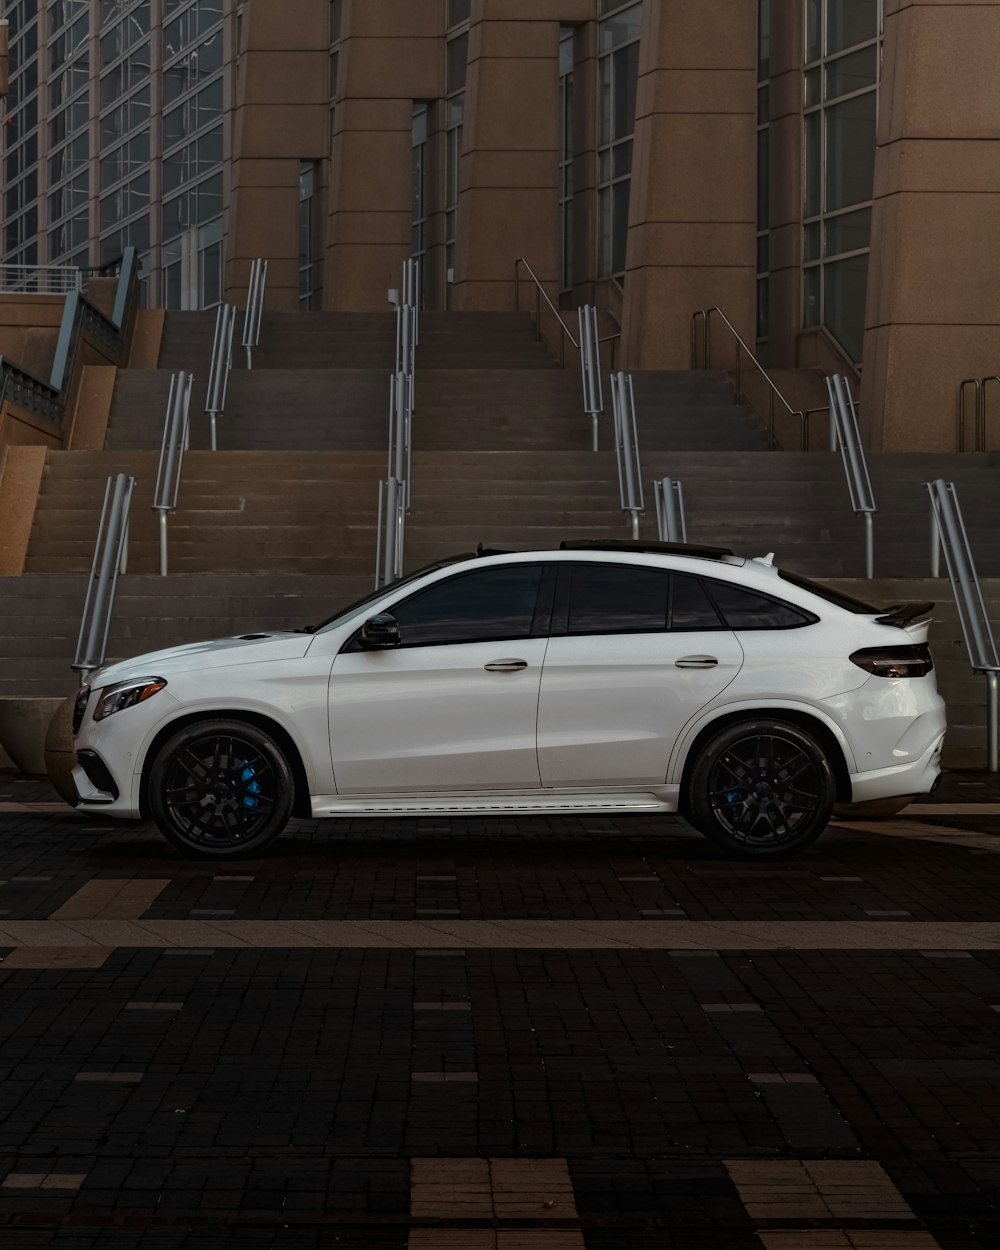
pixel 80 708
pixel 97 772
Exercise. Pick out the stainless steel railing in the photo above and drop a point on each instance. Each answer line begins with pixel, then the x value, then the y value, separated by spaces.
pixel 844 430
pixel 980 410
pixel 588 345
pixel 701 358
pixel 255 308
pixel 40 279
pixel 395 490
pixel 110 559
pixel 627 449
pixel 671 523
pixel 590 366
pixel 221 366
pixel 977 631
pixel 176 426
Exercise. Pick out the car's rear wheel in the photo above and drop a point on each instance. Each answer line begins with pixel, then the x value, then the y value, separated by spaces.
pixel 220 788
pixel 761 789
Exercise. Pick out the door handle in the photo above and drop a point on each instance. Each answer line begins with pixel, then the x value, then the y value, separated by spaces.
pixel 505 666
pixel 696 661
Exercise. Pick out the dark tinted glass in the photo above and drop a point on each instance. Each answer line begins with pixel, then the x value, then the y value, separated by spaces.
pixel 616 599
pixel 473 607
pixel 690 606
pixel 742 609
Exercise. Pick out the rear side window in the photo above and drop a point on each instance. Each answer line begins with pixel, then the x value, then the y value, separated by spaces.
pixel 745 609
pixel 690 606
pixel 616 599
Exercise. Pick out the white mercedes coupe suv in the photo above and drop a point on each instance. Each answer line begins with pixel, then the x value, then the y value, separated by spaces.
pixel 600 678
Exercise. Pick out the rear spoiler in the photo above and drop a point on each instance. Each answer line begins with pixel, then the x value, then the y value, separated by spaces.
pixel 904 613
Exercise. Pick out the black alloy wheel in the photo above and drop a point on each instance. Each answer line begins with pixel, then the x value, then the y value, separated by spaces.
pixel 221 788
pixel 762 790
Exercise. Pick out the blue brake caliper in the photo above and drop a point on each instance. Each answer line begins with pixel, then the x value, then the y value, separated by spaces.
pixel 250 787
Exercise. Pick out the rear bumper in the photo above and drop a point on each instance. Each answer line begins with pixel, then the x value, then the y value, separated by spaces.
pixel 916 776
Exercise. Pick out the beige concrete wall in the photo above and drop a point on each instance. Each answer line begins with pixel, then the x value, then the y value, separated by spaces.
pixel 89 420
pixel 280 120
pixel 146 338
pixel 932 315
pixel 692 207
pixel 21 470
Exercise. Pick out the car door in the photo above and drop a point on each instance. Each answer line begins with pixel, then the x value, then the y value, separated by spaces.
pixel 635 652
pixel 453 707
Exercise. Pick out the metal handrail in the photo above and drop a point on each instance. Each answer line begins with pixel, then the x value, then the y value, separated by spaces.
pixel 221 366
pixel 844 421
pixel 40 279
pixel 973 616
pixel 255 307
pixel 704 316
pixel 540 294
pixel 627 449
pixel 590 366
pixel 176 426
pixel 109 559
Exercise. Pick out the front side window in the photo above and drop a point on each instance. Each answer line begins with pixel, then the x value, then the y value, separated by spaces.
pixel 493 603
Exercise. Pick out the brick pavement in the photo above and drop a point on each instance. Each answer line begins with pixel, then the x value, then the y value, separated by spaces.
pixel 766 1096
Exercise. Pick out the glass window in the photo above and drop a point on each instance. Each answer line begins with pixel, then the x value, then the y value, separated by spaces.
pixel 618 78
pixel 473 607
pixel 458 11
pixel 336 19
pixel 616 599
pixel 690 606
pixel 849 22
pixel 844 286
pixel 744 609
pixel 850 151
pixel 458 56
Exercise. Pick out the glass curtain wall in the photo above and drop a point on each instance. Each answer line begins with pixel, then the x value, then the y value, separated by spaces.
pixel 456 65
pixel 843 56
pixel 193 145
pixel 418 168
pixel 763 175
pixel 566 148
pixel 21 160
pixel 124 168
pixel 618 76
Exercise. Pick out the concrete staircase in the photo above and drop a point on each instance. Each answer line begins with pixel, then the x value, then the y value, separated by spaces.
pixel 40 617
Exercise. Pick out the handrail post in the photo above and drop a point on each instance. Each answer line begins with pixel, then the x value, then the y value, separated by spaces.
pixel 627 449
pixel 985 395
pixel 975 382
pixel 172 448
pixel 255 307
pixel 102 585
pixel 855 463
pixel 671 525
pixel 974 619
pixel 590 367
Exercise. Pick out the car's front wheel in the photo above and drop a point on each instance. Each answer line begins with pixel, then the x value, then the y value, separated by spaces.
pixel 221 787
pixel 761 789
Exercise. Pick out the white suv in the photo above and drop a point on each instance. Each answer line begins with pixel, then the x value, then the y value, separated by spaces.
pixel 605 678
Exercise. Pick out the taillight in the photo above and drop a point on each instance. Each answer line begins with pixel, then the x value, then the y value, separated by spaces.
pixel 912 661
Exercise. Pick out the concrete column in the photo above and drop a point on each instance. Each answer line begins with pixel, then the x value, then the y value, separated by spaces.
pixel 932 311
pixel 281 119
pixel 508 204
pixel 692 213
pixel 392 54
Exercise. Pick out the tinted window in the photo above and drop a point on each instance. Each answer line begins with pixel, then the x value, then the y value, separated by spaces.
pixel 742 609
pixel 690 606
pixel 616 599
pixel 473 607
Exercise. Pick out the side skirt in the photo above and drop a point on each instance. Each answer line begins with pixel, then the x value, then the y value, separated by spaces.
pixel 648 799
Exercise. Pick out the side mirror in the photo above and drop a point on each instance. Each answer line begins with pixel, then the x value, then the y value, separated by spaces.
pixel 380 632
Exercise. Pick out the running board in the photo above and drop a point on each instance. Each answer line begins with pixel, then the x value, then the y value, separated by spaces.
pixel 662 799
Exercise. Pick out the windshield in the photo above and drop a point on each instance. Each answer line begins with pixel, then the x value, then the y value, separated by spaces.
pixel 836 597
pixel 352 608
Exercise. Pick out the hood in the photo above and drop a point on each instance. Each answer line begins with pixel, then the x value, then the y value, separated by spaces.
pixel 250 649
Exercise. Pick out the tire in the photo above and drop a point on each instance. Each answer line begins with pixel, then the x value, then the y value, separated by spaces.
pixel 741 795
pixel 220 788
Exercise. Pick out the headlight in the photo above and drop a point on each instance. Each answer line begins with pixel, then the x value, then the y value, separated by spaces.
pixel 80 707
pixel 127 694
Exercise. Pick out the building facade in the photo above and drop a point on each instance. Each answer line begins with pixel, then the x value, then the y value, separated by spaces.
pixel 808 166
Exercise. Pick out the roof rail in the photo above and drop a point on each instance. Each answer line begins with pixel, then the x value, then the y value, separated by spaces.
pixel 695 550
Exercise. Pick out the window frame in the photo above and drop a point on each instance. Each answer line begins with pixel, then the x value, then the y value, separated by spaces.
pixel 560 611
